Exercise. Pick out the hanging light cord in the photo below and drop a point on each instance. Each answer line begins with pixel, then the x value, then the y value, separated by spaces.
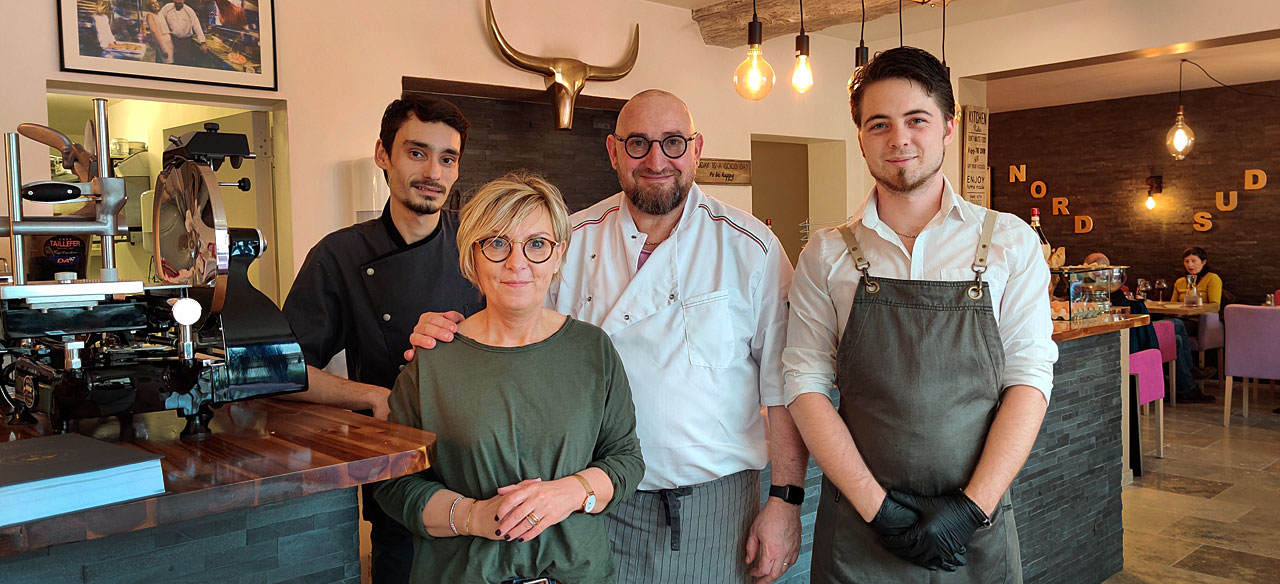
pixel 801 16
pixel 753 10
pixel 862 34
pixel 1215 79
pixel 944 33
pixel 900 41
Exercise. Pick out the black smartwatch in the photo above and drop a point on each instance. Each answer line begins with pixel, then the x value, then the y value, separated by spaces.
pixel 788 493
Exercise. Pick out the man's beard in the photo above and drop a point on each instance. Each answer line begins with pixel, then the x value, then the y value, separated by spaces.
pixel 658 199
pixel 899 181
pixel 427 206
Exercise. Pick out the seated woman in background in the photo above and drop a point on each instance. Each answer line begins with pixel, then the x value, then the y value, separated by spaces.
pixel 1144 338
pixel 1208 284
pixel 535 427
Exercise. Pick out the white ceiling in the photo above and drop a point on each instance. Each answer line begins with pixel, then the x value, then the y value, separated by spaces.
pixel 1151 71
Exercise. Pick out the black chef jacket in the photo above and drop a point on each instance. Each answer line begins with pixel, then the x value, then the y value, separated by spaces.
pixel 363 288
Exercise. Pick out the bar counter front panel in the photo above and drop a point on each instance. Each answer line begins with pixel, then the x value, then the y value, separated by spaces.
pixel 269 497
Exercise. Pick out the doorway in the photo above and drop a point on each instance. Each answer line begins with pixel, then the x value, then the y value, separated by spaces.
pixel 139 133
pixel 797 186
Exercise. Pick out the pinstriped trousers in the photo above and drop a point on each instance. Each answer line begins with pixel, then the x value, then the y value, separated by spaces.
pixel 714 520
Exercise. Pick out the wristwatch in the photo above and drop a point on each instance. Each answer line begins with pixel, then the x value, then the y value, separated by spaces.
pixel 788 493
pixel 590 504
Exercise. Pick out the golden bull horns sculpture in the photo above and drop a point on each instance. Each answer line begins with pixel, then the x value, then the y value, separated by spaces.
pixel 565 76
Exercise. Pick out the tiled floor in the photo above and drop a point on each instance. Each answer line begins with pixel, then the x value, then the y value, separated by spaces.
pixel 1209 511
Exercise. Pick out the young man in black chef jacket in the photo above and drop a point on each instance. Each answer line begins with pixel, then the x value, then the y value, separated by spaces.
pixel 362 288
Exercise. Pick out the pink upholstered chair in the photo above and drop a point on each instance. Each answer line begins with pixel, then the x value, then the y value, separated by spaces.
pixel 1252 350
pixel 1146 365
pixel 1168 341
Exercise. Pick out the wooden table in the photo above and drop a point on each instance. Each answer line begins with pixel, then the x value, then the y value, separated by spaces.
pixel 262 451
pixel 1180 309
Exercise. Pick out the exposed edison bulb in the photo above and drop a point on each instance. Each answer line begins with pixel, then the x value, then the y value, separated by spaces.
pixel 1151 202
pixel 754 77
pixel 1180 138
pixel 802 77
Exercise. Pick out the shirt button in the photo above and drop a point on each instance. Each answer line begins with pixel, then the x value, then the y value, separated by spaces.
pixel 626 317
pixel 588 299
pixel 386 317
pixel 402 368
pixel 593 256
pixel 369 271
pixel 671 297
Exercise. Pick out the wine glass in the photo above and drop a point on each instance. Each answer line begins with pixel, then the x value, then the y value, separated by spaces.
pixel 1161 286
pixel 1144 286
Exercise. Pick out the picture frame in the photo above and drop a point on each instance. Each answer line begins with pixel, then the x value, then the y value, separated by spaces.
pixel 157 39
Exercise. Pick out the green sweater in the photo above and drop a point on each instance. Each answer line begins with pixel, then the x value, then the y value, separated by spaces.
pixel 505 414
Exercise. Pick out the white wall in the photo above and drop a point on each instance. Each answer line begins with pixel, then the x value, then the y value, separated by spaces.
pixel 340 63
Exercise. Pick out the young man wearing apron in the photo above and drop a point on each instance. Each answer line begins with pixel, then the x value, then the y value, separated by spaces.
pixel 929 316
pixel 362 288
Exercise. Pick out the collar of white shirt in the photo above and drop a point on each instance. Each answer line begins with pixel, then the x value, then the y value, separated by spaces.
pixel 951 208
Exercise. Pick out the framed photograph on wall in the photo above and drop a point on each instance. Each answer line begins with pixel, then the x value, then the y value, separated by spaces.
pixel 216 42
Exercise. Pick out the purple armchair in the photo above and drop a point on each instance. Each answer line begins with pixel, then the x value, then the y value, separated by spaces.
pixel 1168 341
pixel 1252 350
pixel 1209 337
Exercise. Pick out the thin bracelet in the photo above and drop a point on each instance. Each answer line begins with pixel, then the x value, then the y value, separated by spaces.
pixel 451 507
pixel 467 524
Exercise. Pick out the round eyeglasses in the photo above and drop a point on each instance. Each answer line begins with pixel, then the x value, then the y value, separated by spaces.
pixel 638 147
pixel 536 250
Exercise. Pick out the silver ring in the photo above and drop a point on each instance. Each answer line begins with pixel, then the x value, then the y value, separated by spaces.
pixel 532 519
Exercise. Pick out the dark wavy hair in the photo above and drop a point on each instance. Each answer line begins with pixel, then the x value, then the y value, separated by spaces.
pixel 427 109
pixel 910 63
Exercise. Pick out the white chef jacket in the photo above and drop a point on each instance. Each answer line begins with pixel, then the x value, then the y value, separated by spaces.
pixel 700 329
pixel 826 279
pixel 182 23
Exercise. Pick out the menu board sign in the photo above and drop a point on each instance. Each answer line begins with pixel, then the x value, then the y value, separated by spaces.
pixel 723 171
pixel 977 175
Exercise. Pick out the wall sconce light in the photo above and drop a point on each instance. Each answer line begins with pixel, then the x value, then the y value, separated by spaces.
pixel 1155 184
pixel 753 79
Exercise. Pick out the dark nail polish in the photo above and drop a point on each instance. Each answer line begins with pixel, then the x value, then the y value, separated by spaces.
pixel 520 539
pixel 507 537
pixel 497 532
pixel 495 517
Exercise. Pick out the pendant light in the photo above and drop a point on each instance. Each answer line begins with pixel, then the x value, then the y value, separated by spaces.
pixel 753 79
pixel 1180 138
pixel 802 77
pixel 862 55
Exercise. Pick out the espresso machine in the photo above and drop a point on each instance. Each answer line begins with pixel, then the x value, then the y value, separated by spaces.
pixel 76 348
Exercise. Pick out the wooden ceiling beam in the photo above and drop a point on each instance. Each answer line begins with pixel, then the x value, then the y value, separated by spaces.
pixel 724 24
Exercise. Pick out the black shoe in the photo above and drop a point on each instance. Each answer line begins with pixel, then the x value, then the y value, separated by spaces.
pixel 1196 397
pixel 1208 372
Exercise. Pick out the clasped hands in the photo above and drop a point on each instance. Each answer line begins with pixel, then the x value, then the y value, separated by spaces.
pixel 930 532
pixel 522 511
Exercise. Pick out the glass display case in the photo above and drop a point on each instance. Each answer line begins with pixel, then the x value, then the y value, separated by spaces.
pixel 1082 292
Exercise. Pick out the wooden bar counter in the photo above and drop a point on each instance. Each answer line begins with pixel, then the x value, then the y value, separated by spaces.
pixel 276 481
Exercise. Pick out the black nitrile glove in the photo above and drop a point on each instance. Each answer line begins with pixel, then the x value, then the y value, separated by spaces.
pixel 892 519
pixel 947 523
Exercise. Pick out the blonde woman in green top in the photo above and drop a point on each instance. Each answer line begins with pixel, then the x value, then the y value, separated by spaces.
pixel 534 423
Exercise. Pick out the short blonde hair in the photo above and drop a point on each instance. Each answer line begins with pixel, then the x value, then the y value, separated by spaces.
pixel 503 203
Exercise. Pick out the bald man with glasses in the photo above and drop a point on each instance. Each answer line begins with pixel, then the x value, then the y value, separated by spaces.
pixel 693 294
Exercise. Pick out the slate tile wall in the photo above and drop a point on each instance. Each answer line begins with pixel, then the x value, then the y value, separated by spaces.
pixel 309 539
